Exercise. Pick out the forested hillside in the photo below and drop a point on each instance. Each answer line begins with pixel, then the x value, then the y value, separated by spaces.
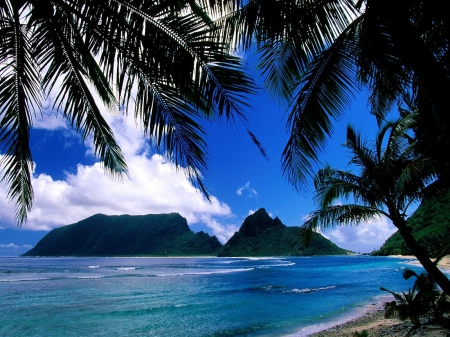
pixel 430 224
pixel 260 235
pixel 126 235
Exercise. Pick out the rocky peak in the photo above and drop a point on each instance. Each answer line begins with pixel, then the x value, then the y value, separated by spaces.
pixel 258 222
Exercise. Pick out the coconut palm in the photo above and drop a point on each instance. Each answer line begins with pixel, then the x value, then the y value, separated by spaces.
pixel 318 53
pixel 85 56
pixel 389 178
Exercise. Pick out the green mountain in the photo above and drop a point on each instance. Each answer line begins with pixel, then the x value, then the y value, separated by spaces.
pixel 430 225
pixel 260 235
pixel 126 235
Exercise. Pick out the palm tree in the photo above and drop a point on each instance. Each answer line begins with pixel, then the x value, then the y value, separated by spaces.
pixel 317 54
pixel 158 55
pixel 390 178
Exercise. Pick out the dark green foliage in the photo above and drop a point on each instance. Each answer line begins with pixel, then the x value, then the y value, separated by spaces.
pixel 317 55
pixel 423 300
pixel 260 235
pixel 430 224
pixel 125 235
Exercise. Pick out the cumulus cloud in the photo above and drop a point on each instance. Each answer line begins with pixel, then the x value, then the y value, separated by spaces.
pixel 152 186
pixel 247 191
pixel 222 232
pixel 364 237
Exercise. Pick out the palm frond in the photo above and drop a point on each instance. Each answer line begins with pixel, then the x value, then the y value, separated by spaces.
pixel 339 215
pixel 326 91
pixel 75 98
pixel 408 273
pixel 319 21
pixel 20 95
pixel 281 64
pixel 379 66
pixel 210 65
pixel 331 184
pixel 363 155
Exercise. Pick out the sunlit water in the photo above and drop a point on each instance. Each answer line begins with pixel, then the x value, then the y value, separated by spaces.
pixel 188 296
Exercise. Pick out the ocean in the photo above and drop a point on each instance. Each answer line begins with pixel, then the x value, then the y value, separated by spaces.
pixel 291 296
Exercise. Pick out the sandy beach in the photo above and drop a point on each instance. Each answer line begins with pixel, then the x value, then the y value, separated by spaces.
pixel 377 326
pixel 444 264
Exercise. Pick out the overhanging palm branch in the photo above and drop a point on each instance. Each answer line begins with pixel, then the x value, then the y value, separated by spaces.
pixel 317 54
pixel 19 99
pixel 323 96
pixel 338 215
pixel 158 57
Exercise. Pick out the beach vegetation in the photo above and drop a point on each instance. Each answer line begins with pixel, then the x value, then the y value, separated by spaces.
pixel 387 178
pixel 424 300
pixel 363 333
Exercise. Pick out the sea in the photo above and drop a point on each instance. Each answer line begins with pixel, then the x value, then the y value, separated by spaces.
pixel 289 296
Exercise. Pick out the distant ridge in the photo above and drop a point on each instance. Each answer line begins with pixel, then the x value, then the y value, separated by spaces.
pixel 260 235
pixel 170 235
pixel 126 235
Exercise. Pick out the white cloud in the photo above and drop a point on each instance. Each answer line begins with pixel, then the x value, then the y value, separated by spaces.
pixel 363 238
pixel 247 190
pixel 14 246
pixel 222 232
pixel 9 245
pixel 49 120
pixel 153 186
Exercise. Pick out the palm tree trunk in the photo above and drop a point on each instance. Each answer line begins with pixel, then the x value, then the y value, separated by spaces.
pixel 418 251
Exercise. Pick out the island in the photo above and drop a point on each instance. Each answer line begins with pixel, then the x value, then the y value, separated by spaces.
pixel 170 235
pixel 260 235
pixel 127 235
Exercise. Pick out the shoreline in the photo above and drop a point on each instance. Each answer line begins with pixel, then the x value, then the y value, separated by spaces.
pixel 444 263
pixel 377 326
pixel 373 321
pixel 356 320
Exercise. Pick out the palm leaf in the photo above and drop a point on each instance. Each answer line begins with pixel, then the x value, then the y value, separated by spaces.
pixel 338 215
pixel 19 98
pixel 325 93
pixel 75 98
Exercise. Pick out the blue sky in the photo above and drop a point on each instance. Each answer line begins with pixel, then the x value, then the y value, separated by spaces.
pixel 70 185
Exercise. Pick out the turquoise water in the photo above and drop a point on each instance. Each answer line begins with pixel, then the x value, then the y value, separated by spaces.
pixel 188 296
